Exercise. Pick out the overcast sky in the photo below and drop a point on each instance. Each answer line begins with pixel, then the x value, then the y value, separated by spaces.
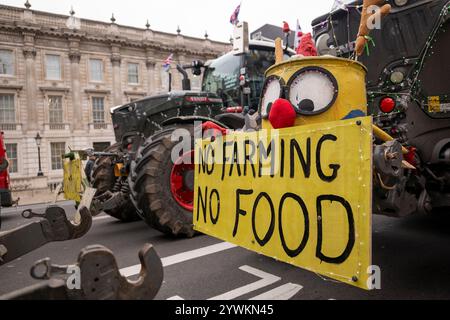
pixel 193 16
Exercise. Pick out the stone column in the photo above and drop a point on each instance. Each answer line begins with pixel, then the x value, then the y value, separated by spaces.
pixel 151 77
pixel 116 61
pixel 30 74
pixel 77 109
pixel 158 80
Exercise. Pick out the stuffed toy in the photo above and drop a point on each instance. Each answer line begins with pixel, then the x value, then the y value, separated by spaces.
pixel 282 114
pixel 367 20
pixel 251 121
pixel 306 46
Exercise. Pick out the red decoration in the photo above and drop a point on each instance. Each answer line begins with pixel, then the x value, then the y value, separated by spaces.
pixel 307 47
pixel 411 156
pixel 387 105
pixel 286 28
pixel 235 110
pixel 282 114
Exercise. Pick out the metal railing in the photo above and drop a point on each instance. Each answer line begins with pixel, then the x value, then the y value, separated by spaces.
pixel 100 126
pixel 8 126
pixel 57 126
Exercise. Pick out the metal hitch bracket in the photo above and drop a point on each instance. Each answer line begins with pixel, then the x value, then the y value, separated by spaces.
pixel 99 278
pixel 53 226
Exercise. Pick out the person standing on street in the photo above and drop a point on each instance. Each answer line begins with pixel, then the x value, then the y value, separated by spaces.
pixel 89 167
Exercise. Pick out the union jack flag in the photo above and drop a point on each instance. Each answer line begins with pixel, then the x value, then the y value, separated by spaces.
pixel 234 20
pixel 168 62
pixel 298 35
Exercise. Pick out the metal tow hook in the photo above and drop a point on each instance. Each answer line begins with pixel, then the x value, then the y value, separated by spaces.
pixel 99 278
pixel 52 226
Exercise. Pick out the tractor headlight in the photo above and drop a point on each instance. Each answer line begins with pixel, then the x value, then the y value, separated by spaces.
pixel 397 77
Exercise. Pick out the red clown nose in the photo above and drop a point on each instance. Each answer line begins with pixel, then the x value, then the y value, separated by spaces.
pixel 282 114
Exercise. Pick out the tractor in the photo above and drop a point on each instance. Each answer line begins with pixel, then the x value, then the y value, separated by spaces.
pixel 408 87
pixel 340 140
pixel 136 177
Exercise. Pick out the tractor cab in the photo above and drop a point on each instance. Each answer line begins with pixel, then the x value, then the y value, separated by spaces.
pixel 238 79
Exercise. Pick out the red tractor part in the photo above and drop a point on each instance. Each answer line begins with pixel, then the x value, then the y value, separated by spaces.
pixel 182 181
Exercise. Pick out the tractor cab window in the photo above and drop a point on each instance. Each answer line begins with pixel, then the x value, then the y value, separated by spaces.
pixel 257 63
pixel 222 78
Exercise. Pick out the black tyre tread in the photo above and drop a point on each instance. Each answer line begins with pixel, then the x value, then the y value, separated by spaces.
pixel 103 179
pixel 152 186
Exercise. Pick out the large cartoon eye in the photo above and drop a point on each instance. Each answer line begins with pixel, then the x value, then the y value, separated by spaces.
pixel 312 90
pixel 271 92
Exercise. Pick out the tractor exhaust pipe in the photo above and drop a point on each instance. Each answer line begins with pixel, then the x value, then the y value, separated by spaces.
pixel 186 83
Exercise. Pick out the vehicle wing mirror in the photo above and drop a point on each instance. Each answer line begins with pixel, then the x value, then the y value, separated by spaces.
pixel 197 66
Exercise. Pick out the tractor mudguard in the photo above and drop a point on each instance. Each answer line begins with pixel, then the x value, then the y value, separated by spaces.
pixel 191 120
pixel 235 121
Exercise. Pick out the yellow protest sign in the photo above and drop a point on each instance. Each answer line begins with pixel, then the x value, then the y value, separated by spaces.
pixel 300 195
pixel 73 179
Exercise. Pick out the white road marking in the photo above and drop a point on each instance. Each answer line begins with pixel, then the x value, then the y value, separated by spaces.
pixel 176 298
pixel 101 218
pixel 285 292
pixel 182 257
pixel 266 280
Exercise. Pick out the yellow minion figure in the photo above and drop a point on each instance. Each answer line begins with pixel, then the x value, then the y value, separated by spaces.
pixel 310 90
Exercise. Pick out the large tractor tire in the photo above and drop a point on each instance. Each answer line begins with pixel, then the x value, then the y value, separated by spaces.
pixel 103 179
pixel 163 188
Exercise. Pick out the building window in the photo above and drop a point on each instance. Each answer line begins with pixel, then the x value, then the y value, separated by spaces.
pixel 133 73
pixel 6 62
pixel 58 149
pixel 55 110
pixel 11 152
pixel 101 146
pixel 196 83
pixel 96 70
pixel 98 110
pixel 53 67
pixel 7 109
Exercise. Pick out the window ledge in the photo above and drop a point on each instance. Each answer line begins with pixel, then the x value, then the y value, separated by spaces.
pixel 54 89
pixel 8 76
pixel 10 87
pixel 97 91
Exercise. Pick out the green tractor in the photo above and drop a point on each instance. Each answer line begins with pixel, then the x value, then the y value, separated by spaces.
pixel 137 178
pixel 408 88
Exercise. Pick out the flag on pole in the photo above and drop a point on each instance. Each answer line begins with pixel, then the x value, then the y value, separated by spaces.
pixel 168 62
pixel 298 35
pixel 339 4
pixel 234 20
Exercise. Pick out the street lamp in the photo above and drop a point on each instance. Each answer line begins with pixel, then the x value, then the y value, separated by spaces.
pixel 38 140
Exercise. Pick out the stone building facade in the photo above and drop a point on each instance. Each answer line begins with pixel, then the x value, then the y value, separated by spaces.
pixel 60 75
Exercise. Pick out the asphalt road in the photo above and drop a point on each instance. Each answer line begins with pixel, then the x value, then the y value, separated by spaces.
pixel 413 254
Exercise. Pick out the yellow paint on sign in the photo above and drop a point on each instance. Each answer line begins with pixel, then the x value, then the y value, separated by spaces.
pixel 300 195
pixel 73 179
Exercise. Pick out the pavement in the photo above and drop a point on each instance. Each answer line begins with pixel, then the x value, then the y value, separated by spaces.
pixel 31 197
pixel 413 254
